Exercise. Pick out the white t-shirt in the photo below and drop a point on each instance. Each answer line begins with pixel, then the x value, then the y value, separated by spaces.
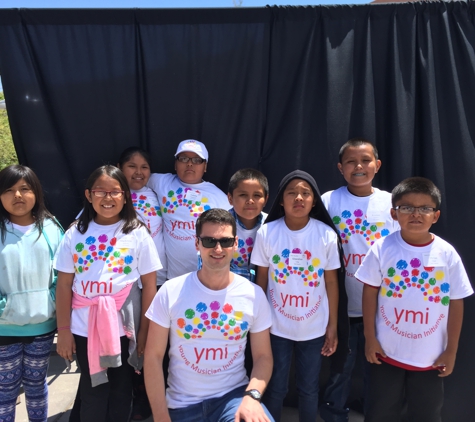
pixel 246 238
pixel 415 285
pixel 24 229
pixel 146 205
pixel 361 220
pixel 208 335
pixel 104 260
pixel 296 289
pixel 181 205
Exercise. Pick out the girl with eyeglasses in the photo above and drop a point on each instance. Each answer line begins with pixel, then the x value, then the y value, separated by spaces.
pixel 101 258
pixel 29 237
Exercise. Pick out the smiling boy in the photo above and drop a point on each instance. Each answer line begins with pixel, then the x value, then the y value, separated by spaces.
pixel 414 283
pixel 361 214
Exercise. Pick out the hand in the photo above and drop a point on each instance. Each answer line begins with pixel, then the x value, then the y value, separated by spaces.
pixel 331 341
pixel 66 346
pixel 372 350
pixel 250 410
pixel 141 342
pixel 445 364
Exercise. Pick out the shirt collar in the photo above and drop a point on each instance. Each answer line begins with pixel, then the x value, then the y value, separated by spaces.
pixel 236 217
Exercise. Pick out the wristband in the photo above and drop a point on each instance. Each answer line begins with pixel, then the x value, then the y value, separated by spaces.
pixel 66 327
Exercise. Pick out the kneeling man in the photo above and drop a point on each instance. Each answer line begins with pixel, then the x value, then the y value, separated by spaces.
pixel 208 316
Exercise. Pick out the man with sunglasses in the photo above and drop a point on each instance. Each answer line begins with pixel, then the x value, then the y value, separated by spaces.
pixel 183 197
pixel 209 315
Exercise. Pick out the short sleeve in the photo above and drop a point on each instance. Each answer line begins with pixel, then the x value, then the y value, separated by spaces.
pixel 63 259
pixel 158 310
pixel 259 255
pixel 154 182
pixel 263 319
pixel 326 198
pixel 460 286
pixel 148 259
pixel 333 256
pixel 369 272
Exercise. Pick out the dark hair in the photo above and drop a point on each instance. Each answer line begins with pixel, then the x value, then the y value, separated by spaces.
pixel 318 212
pixel 127 214
pixel 11 175
pixel 215 216
pixel 416 185
pixel 356 142
pixel 129 152
pixel 248 174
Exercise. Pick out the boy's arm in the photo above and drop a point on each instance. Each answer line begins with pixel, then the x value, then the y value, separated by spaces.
pixel 250 409
pixel 446 361
pixel 262 277
pixel 149 289
pixel 370 304
pixel 155 350
pixel 331 337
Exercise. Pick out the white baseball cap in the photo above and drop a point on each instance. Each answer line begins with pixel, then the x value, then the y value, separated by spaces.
pixel 191 145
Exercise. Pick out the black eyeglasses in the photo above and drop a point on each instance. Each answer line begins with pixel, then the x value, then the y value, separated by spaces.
pixel 195 160
pixel 211 242
pixel 113 194
pixel 408 209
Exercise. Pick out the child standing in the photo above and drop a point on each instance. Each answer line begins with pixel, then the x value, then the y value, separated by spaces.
pixel 135 163
pixel 412 309
pixel 248 192
pixel 29 238
pixel 362 214
pixel 184 196
pixel 99 261
pixel 297 258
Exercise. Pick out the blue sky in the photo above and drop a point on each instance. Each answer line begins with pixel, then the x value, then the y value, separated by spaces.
pixel 162 3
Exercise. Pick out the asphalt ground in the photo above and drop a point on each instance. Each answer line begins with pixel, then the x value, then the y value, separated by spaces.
pixel 63 381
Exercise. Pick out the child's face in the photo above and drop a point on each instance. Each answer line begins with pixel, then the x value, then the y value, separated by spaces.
pixel 107 207
pixel 248 200
pixel 18 201
pixel 415 226
pixel 359 166
pixel 298 199
pixel 136 171
pixel 189 172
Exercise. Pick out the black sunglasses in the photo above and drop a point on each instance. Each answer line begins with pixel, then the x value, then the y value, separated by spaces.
pixel 210 242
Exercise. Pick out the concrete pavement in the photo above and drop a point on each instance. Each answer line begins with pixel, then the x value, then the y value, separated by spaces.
pixel 63 386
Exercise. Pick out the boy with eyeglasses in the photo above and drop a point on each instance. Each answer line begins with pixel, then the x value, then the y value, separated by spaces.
pixel 183 197
pixel 414 283
pixel 361 214
pixel 208 315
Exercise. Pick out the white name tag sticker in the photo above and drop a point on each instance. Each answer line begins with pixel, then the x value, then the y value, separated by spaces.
pixel 375 216
pixel 433 259
pixel 127 242
pixel 297 260
pixel 376 211
pixel 193 195
pixel 241 307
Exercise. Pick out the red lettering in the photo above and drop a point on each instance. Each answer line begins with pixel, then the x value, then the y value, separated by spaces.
pixel 210 353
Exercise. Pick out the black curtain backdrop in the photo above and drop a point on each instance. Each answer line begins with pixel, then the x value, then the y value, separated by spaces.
pixel 276 88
